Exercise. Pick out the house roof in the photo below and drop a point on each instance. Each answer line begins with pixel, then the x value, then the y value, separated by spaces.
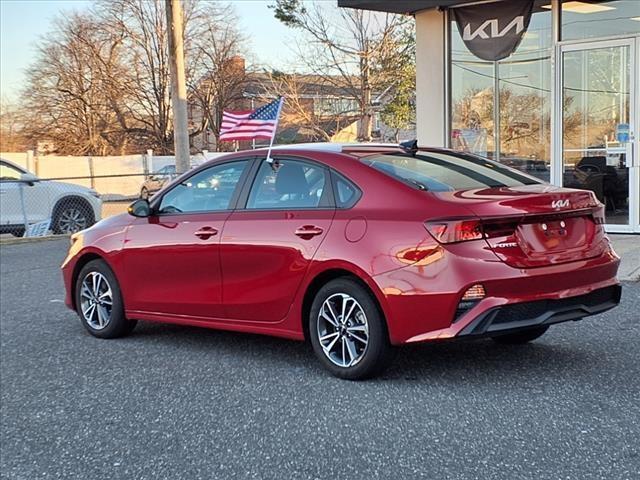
pixel 309 85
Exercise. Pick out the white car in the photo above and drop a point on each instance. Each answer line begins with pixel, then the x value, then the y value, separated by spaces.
pixel 25 199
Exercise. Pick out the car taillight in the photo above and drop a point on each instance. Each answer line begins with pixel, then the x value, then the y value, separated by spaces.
pixel 452 231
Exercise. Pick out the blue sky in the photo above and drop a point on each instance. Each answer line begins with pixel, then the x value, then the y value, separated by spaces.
pixel 23 21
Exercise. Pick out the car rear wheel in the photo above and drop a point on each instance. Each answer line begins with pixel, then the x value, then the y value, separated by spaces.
pixel 348 332
pixel 519 338
pixel 71 216
pixel 99 302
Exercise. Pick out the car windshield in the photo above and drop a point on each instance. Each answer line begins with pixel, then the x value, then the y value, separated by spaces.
pixel 447 171
pixel 9 172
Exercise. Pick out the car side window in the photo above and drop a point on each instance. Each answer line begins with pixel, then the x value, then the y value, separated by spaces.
pixel 347 194
pixel 208 190
pixel 288 184
pixel 9 173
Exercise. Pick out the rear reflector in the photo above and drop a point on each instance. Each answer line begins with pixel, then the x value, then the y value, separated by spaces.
pixel 470 299
pixel 475 292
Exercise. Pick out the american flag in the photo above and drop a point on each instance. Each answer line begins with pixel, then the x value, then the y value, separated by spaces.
pixel 259 123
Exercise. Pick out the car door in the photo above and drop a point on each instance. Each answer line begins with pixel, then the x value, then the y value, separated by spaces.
pixel 22 200
pixel 266 247
pixel 10 202
pixel 171 259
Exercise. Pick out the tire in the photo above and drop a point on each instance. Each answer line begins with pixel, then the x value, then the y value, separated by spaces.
pixel 357 349
pixel 72 215
pixel 144 193
pixel 101 320
pixel 520 338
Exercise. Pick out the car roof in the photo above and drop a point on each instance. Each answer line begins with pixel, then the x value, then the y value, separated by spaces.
pixel 15 165
pixel 355 149
pixel 311 150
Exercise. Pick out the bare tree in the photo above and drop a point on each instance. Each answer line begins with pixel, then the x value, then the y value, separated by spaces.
pixel 73 94
pixel 217 75
pixel 12 137
pixel 354 49
pixel 142 24
pixel 100 84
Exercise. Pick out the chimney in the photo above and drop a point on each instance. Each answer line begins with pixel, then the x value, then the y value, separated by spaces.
pixel 237 65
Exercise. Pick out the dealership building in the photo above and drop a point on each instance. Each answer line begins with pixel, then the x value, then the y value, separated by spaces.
pixel 551 87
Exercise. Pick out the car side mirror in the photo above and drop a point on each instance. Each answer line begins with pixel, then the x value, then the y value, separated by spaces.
pixel 29 178
pixel 140 208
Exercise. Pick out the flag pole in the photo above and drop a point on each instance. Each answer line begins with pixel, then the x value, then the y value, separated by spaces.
pixel 275 128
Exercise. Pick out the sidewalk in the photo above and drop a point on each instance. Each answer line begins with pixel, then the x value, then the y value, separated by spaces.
pixel 628 247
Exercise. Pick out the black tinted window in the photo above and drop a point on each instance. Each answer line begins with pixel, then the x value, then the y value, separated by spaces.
pixel 288 184
pixel 445 171
pixel 208 190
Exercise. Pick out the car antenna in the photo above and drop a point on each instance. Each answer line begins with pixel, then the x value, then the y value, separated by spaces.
pixel 410 146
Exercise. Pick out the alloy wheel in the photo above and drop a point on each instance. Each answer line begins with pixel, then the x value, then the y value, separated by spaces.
pixel 343 330
pixel 72 220
pixel 96 300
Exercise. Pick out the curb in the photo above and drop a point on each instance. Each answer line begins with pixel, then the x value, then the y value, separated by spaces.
pixel 19 240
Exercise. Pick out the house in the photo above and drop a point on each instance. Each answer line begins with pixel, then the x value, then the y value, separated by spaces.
pixel 317 108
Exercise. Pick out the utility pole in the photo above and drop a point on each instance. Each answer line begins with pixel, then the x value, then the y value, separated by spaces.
pixel 178 84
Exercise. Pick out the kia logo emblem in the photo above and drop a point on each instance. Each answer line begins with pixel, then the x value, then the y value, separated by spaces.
pixel 494 29
pixel 560 203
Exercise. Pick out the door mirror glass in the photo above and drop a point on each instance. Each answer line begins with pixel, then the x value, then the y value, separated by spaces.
pixel 140 208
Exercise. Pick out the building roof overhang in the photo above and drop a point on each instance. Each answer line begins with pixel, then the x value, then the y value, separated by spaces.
pixel 399 6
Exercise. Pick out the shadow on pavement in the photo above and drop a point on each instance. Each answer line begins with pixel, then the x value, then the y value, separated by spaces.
pixel 479 361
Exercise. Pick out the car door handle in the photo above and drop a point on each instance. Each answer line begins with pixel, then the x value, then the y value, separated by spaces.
pixel 308 231
pixel 206 232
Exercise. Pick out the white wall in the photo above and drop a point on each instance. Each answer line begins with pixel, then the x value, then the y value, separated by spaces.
pixel 430 78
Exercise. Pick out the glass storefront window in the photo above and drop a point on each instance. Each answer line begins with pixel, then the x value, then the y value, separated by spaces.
pixel 472 102
pixel 599 19
pixel 523 103
pixel 596 95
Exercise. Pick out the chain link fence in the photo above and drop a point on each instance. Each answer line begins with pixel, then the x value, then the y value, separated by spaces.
pixel 38 205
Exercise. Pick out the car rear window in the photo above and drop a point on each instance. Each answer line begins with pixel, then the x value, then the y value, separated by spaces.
pixel 447 171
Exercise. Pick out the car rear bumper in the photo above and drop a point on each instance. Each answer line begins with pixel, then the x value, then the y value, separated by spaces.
pixel 517 316
pixel 421 303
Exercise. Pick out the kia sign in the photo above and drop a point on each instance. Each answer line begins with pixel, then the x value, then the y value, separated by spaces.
pixel 493 33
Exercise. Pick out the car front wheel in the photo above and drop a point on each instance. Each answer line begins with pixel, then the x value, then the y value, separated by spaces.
pixel 99 302
pixel 348 332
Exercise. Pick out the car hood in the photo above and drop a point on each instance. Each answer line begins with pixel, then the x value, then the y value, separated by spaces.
pixel 64 187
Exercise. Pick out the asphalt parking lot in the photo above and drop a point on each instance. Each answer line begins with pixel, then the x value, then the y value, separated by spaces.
pixel 173 402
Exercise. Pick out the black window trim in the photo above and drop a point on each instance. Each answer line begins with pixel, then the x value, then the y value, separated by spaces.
pixel 157 199
pixel 244 195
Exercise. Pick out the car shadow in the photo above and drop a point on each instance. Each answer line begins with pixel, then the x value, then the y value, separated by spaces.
pixel 471 362
pixel 483 361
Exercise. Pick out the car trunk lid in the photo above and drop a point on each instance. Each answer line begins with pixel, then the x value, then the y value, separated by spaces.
pixel 536 225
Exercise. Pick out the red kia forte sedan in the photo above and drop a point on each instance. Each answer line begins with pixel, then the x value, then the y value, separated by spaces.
pixel 357 249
